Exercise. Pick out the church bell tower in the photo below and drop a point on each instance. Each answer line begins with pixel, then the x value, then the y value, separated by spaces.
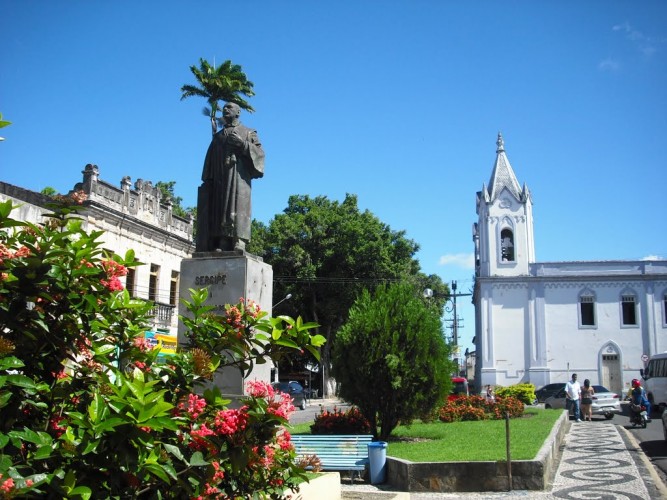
pixel 503 234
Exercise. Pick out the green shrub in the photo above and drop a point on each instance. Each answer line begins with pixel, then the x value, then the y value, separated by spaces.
pixel 523 392
pixel 87 410
pixel 339 422
pixel 390 357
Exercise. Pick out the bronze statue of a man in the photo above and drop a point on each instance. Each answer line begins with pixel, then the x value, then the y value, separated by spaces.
pixel 234 158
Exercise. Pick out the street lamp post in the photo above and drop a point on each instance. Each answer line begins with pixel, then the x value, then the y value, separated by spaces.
pixel 286 297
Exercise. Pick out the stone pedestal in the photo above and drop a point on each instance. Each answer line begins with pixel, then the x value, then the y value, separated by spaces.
pixel 228 277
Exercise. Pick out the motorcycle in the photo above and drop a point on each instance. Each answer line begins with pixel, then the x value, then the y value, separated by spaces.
pixel 638 415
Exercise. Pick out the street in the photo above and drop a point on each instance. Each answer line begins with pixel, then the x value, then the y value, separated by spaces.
pixel 314 407
pixel 651 439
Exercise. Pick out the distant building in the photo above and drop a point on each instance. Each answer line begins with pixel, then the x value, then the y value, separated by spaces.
pixel 132 218
pixel 539 322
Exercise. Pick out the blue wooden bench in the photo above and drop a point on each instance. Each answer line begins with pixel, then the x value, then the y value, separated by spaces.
pixel 336 452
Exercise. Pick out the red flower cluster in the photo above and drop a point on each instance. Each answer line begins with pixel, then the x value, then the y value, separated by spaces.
pixel 228 422
pixel 54 425
pixel 195 407
pixel 338 422
pixel 8 253
pixel 279 403
pixel 114 271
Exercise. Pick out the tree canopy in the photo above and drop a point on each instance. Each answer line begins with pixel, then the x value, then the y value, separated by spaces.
pixel 325 253
pixel 167 190
pixel 390 357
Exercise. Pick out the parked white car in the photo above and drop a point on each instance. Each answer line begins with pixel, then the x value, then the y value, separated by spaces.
pixel 605 402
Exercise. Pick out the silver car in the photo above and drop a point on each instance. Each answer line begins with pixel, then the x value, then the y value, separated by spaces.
pixel 605 402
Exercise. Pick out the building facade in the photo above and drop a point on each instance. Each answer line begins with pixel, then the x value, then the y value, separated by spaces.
pixel 539 322
pixel 131 218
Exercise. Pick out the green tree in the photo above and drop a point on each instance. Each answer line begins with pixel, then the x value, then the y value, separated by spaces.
pixel 219 83
pixel 49 191
pixel 390 357
pixel 324 253
pixel 167 190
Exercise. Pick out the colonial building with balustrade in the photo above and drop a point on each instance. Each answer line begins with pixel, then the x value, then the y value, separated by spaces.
pixel 131 217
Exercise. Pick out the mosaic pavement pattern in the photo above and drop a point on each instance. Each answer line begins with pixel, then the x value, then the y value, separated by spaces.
pixel 597 465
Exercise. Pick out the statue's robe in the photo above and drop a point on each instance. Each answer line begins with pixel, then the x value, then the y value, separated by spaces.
pixel 224 201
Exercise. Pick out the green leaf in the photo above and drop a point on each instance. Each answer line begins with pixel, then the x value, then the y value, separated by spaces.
pixel 43 452
pixel 22 381
pixel 149 412
pixel 5 208
pixel 11 362
pixel 174 450
pixel 80 492
pixel 197 459
pixel 109 423
pixel 96 408
pixel 91 446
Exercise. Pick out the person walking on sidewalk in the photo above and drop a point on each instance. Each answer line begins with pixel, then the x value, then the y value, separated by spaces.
pixel 573 396
pixel 587 393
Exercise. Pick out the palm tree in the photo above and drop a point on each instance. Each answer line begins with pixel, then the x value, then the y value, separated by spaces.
pixel 222 83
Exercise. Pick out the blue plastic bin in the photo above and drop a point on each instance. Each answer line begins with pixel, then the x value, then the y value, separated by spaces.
pixel 377 456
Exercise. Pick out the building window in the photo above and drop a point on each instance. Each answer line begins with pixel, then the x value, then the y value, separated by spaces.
pixel 506 245
pixel 130 281
pixel 173 288
pixel 586 310
pixel 628 310
pixel 664 309
pixel 153 283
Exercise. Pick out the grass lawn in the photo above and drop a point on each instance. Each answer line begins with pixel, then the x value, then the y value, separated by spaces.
pixel 468 441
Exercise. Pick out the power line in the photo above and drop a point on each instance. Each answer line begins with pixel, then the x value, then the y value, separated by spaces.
pixel 333 279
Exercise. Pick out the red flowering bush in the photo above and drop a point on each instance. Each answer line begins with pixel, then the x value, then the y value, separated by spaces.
pixel 86 408
pixel 465 408
pixel 514 406
pixel 339 422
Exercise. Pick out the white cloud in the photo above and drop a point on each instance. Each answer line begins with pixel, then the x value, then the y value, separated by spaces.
pixel 608 65
pixel 462 260
pixel 645 44
pixel 652 257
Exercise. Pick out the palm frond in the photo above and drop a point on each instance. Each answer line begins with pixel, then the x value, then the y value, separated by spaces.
pixel 226 82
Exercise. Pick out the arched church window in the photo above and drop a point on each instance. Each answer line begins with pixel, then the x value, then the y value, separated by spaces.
pixel 507 245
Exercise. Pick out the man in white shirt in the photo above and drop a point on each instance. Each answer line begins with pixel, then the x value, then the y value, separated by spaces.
pixel 573 395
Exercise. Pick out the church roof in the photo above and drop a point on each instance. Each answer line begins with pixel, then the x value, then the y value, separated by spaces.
pixel 503 175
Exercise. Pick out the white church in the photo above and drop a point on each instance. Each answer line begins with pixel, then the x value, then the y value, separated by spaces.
pixel 539 322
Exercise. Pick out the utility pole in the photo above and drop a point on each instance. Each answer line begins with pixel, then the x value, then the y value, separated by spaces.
pixel 455 320
pixel 451 299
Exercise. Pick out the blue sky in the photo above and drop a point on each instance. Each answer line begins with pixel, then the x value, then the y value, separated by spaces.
pixel 398 102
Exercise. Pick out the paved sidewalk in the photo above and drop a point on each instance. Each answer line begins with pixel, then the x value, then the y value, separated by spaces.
pixel 597 462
